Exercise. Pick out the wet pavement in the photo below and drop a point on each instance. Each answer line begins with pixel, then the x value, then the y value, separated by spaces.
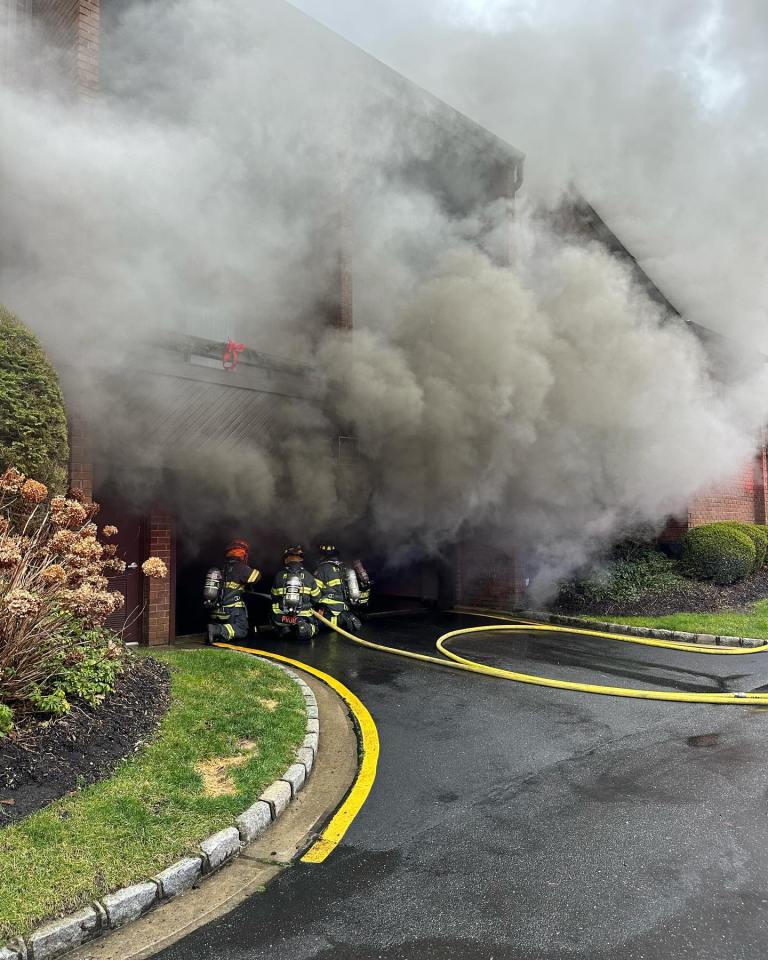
pixel 510 821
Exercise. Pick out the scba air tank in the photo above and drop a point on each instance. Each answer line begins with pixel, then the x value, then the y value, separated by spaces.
pixel 292 595
pixel 214 581
pixel 353 587
pixel 362 574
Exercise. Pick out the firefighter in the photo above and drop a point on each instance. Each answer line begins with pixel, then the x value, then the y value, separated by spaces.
pixel 229 617
pixel 294 593
pixel 338 590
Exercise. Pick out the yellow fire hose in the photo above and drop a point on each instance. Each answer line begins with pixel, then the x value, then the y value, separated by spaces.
pixel 643 641
pixel 458 662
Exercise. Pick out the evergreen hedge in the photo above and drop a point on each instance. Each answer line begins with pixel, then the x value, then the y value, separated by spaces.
pixel 719 552
pixel 33 422
pixel 759 536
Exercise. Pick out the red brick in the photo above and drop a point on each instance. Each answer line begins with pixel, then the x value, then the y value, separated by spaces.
pixel 158 612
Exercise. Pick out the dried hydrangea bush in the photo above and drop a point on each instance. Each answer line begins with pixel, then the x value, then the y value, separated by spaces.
pixel 55 600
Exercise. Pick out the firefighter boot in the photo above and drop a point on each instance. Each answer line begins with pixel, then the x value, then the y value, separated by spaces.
pixel 304 630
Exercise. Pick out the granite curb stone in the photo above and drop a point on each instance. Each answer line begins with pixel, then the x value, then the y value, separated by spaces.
pixel 306 756
pixel 130 903
pixel 59 936
pixel 278 796
pixel 179 877
pixel 295 776
pixel 219 848
pixel 123 906
pixel 254 821
pixel 628 629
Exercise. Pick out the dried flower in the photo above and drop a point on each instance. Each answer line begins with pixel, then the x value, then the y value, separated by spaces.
pixel 110 530
pixel 90 604
pixel 89 531
pixel 10 553
pixel 3 526
pixel 22 603
pixel 115 566
pixel 62 541
pixel 86 549
pixel 34 492
pixel 110 549
pixel 115 651
pixel 53 574
pixel 97 582
pixel 67 513
pixel 155 568
pixel 12 480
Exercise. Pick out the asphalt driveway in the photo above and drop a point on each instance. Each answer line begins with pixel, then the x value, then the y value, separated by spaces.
pixel 522 822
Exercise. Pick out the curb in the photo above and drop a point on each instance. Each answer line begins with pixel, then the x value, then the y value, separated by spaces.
pixel 629 630
pixel 123 906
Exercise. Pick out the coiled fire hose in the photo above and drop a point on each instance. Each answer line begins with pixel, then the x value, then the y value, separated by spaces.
pixel 457 662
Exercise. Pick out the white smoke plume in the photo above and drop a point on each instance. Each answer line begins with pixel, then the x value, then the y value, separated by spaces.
pixel 502 376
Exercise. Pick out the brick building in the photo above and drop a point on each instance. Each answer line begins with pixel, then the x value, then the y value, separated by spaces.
pixel 203 402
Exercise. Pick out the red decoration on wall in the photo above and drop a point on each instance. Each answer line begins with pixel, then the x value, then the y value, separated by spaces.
pixel 232 354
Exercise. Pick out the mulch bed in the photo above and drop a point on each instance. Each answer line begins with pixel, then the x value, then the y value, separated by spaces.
pixel 690 596
pixel 84 746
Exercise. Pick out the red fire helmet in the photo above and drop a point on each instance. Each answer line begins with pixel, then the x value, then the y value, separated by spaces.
pixel 238 549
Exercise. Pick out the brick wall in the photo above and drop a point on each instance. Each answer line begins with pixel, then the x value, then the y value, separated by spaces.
pixel 159 594
pixel 487 577
pixel 742 498
pixel 73 29
pixel 674 530
pixel 80 460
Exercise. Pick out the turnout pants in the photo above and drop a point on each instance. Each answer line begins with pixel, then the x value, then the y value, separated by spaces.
pixel 301 627
pixel 339 614
pixel 228 624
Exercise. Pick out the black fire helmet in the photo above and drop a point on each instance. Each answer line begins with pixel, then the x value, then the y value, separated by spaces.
pixel 293 554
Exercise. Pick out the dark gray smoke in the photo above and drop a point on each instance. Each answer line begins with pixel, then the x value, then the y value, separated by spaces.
pixel 539 394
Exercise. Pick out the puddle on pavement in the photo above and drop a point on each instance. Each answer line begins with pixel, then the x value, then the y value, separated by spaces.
pixel 704 740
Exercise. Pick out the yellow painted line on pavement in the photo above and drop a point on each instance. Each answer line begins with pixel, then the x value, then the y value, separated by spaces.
pixel 342 820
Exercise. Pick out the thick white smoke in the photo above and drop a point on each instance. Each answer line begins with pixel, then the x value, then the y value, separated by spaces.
pixel 540 395
pixel 655 110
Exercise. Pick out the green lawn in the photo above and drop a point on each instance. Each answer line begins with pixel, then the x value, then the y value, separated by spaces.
pixel 728 623
pixel 153 810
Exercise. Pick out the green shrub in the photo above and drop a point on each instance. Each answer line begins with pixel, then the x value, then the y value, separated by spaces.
pixel 83 669
pixel 624 579
pixel 6 720
pixel 33 423
pixel 758 535
pixel 718 552
pixel 87 670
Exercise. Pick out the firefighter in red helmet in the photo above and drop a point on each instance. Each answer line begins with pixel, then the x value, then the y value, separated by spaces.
pixel 229 617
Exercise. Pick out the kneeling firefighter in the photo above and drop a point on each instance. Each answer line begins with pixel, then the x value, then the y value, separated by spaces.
pixel 294 593
pixel 339 589
pixel 223 594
